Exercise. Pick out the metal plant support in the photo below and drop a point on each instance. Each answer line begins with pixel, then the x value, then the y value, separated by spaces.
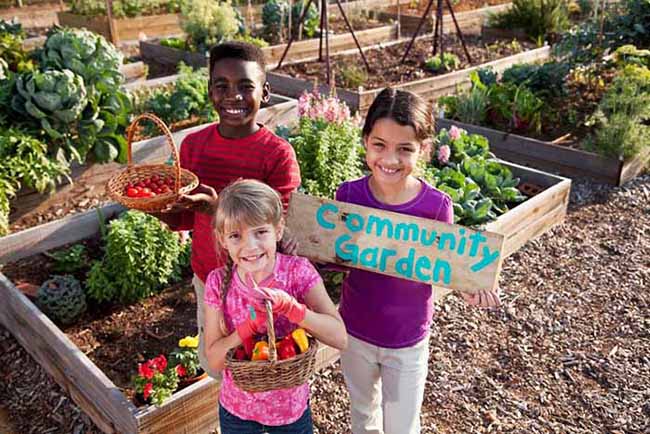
pixel 438 31
pixel 324 32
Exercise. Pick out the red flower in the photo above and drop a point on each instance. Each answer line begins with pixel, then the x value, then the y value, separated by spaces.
pixel 145 370
pixel 147 390
pixel 161 362
pixel 180 370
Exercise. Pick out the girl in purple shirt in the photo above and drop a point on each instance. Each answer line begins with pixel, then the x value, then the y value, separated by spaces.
pixel 387 318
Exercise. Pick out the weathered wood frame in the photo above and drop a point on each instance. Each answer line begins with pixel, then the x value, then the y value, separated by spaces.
pixel 307 49
pixel 429 88
pixel 125 28
pixel 556 158
pixel 191 410
pixel 30 201
pixel 38 15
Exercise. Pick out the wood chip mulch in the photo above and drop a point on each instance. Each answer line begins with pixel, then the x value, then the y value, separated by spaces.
pixel 569 352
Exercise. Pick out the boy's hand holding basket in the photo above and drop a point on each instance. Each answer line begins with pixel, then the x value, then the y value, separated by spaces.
pixel 151 187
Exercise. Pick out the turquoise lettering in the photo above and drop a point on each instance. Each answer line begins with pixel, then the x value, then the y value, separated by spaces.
pixel 368 257
pixel 447 237
pixel 351 255
pixel 405 229
pixel 380 224
pixel 422 263
pixel 423 238
pixel 461 243
pixel 477 238
pixel 488 258
pixel 385 254
pixel 404 266
pixel 442 267
pixel 349 224
pixel 320 215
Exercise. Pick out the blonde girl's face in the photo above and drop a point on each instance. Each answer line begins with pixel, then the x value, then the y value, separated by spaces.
pixel 392 151
pixel 252 248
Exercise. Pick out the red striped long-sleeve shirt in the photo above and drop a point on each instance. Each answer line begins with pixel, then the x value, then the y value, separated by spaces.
pixel 218 161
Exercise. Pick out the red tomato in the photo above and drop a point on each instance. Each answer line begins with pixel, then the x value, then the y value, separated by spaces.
pixel 132 192
pixel 154 178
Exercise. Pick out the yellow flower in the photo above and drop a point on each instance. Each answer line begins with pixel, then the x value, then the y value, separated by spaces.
pixel 189 342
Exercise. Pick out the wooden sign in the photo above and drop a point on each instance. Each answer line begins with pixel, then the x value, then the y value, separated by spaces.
pixel 394 244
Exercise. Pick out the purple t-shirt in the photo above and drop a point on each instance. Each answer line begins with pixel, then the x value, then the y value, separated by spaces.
pixel 382 310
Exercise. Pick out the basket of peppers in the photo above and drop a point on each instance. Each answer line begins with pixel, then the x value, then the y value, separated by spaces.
pixel 273 364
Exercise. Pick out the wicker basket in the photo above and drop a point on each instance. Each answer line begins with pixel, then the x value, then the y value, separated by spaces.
pixel 184 180
pixel 272 374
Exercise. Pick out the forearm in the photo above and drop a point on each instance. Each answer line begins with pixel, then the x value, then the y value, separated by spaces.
pixel 326 328
pixel 216 352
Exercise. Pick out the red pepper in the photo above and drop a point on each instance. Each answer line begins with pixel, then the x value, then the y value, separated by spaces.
pixel 286 348
pixel 240 353
pixel 249 344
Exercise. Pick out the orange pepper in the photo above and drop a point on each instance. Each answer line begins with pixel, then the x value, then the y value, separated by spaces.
pixel 300 337
pixel 261 351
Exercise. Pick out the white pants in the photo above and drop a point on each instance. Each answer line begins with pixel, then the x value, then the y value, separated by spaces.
pixel 199 289
pixel 386 386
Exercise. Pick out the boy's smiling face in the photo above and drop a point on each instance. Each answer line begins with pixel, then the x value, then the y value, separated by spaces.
pixel 237 91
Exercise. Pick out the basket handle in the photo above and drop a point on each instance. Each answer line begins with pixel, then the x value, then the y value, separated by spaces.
pixel 170 140
pixel 273 354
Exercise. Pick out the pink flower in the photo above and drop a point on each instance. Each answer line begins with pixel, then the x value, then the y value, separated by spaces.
pixel 316 106
pixel 444 152
pixel 455 132
pixel 147 390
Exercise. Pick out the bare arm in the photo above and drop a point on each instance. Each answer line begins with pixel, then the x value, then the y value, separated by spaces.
pixel 217 341
pixel 322 319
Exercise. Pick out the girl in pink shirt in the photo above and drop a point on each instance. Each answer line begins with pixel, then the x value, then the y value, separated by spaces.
pixel 249 224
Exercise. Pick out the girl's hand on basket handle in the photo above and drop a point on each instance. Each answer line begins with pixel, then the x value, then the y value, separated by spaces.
pixel 282 303
pixel 202 199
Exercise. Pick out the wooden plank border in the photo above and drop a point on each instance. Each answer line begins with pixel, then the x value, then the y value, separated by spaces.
pixel 555 158
pixel 429 88
pixel 307 49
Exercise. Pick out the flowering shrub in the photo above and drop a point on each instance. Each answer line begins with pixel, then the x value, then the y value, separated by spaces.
pixel 327 141
pixel 315 106
pixel 186 358
pixel 156 381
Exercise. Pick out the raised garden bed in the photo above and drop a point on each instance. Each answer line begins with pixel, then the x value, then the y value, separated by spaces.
pixel 89 179
pixel 162 59
pixel 124 28
pixel 470 18
pixel 556 158
pixel 34 16
pixel 192 408
pixel 293 80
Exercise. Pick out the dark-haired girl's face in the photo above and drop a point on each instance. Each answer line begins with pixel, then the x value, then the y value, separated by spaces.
pixel 392 152
pixel 237 91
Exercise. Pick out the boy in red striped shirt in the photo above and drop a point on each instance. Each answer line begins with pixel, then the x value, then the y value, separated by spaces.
pixel 236 147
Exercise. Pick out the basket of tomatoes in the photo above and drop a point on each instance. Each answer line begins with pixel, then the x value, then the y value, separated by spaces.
pixel 151 187
pixel 271 364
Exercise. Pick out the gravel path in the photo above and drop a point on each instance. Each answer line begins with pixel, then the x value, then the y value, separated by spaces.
pixel 568 353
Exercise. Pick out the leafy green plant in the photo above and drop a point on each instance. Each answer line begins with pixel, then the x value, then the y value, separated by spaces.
pixel 327 143
pixel 245 37
pixel 185 358
pixel 140 257
pixel 208 23
pixel 633 26
pixel 622 120
pixel 275 18
pixel 70 260
pixel 174 42
pixel 125 8
pixel 353 76
pixel 631 55
pixel 12 28
pixel 546 80
pixel 16 59
pixel 538 18
pixel 62 299
pixel 185 99
pixel 448 62
pixel 24 162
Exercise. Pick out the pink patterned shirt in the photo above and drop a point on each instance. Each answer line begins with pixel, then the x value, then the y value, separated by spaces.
pixel 296 276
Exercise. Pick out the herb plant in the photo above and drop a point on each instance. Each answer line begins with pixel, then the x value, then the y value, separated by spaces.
pixel 208 23
pixel 538 18
pixel 448 62
pixel 140 258
pixel 70 260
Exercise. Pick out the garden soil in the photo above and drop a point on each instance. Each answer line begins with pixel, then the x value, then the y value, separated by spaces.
pixel 386 66
pixel 569 351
